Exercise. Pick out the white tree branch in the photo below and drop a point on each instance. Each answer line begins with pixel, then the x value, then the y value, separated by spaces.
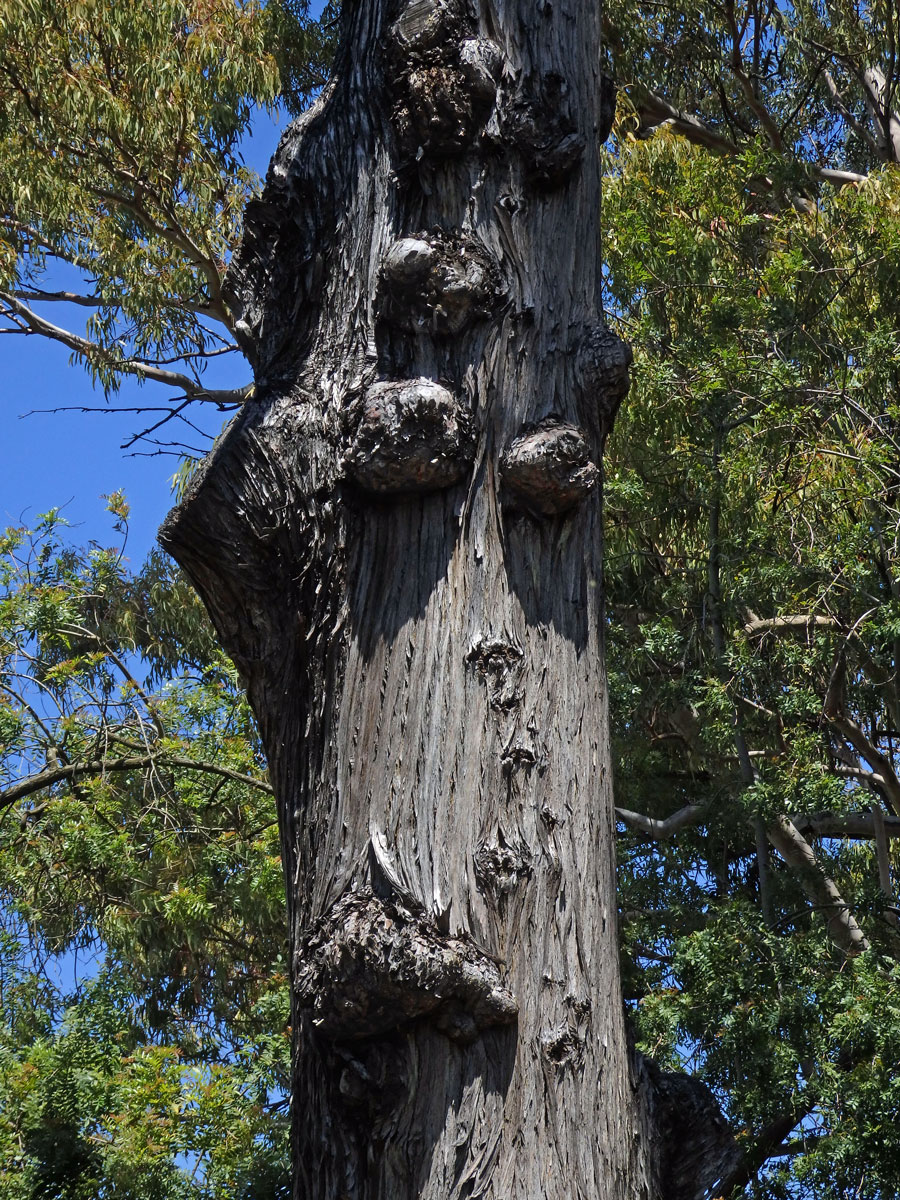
pixel 819 887
pixel 660 830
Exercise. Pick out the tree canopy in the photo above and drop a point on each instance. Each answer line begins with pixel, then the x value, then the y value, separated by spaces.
pixel 143 984
pixel 122 184
pixel 753 524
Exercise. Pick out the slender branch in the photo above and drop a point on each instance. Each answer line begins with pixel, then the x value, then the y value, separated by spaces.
pixel 200 310
pixel 176 236
pixel 858 127
pixel 773 133
pixel 64 297
pixel 190 387
pixel 883 776
pixel 99 767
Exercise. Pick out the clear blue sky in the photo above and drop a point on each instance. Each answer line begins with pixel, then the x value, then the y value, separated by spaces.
pixel 72 459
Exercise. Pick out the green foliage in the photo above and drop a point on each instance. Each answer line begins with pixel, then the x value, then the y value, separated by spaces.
pixel 812 80
pixel 165 1074
pixel 753 475
pixel 122 186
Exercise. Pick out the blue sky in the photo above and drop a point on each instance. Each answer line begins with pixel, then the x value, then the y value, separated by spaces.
pixel 71 459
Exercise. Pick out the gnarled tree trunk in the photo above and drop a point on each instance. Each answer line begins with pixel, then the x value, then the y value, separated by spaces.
pixel 399 542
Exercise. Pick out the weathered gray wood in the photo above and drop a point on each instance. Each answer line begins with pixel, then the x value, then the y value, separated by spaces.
pixel 422 641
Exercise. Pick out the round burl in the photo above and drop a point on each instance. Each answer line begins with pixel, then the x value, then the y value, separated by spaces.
pixel 601 371
pixel 438 283
pixel 480 61
pixel 444 109
pixel 445 78
pixel 548 471
pixel 408 263
pixel 541 129
pixel 411 436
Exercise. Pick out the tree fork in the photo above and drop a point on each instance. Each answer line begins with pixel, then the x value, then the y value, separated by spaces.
pixel 399 543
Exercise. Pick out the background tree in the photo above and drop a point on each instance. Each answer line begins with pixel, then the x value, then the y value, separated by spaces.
pixel 815 83
pixel 122 185
pixel 138 839
pixel 752 579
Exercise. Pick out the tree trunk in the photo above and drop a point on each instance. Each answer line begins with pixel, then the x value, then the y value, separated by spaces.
pixel 399 542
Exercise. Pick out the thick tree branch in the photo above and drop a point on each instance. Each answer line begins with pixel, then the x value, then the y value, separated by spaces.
pixel 875 88
pixel 819 887
pixel 660 830
pixel 854 826
pixel 787 839
pixel 792 622
pixel 806 622
pixel 653 109
pixel 882 851
pixel 768 1143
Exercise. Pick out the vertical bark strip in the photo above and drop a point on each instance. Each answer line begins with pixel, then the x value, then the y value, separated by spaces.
pixel 399 542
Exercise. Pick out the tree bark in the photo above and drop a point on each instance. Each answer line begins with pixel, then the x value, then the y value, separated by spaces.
pixel 399 542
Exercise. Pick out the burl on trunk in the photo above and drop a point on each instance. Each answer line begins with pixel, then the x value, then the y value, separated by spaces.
pixel 399 542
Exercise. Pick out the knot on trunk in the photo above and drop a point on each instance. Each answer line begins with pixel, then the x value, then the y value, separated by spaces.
pixel 562 1047
pixel 548 471
pixel 602 362
pixel 371 966
pixel 279 268
pixel 372 1078
pixel 438 282
pixel 500 866
pixel 541 129
pixel 446 77
pixel 500 663
pixel 410 436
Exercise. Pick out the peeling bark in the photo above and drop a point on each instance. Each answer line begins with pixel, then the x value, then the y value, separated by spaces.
pixel 419 287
